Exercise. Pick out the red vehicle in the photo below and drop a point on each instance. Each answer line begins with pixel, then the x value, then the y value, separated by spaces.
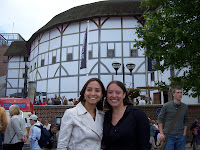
pixel 24 104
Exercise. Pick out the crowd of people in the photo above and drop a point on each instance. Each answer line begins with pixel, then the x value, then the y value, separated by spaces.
pixel 104 118
pixel 56 101
pixel 15 131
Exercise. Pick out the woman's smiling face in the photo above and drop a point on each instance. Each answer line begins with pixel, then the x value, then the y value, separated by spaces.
pixel 115 95
pixel 93 93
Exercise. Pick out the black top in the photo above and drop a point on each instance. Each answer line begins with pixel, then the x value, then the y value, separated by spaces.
pixel 130 133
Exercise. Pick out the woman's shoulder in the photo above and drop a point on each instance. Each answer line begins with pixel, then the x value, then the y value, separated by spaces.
pixel 135 110
pixel 15 117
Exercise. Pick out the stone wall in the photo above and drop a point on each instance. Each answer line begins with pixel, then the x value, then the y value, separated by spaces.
pixel 51 112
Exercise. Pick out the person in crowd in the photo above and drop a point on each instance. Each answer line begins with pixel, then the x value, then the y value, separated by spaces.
pixel 70 102
pixel 58 131
pixel 49 101
pixel 152 133
pixel 76 101
pixel 82 126
pixel 125 126
pixel 40 120
pixel 142 101
pixel 52 132
pixel 136 102
pixel 155 124
pixel 27 123
pixel 65 102
pixel 15 134
pixel 35 133
pixel 194 125
pixel 3 125
pixel 40 102
pixel 47 125
pixel 56 100
pixel 177 138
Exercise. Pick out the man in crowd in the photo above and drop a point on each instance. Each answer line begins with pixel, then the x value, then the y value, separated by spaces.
pixel 52 132
pixel 177 138
pixel 35 133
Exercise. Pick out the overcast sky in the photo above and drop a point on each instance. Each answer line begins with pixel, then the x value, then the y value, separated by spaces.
pixel 27 16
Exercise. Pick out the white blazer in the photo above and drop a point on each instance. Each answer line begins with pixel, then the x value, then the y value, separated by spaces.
pixel 79 131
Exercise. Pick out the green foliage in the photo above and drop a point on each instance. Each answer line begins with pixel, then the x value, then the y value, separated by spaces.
pixel 171 35
pixel 133 93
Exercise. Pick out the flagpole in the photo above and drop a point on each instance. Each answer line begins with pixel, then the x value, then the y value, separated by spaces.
pixel 87 49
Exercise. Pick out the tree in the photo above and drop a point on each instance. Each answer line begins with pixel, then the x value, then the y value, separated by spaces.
pixel 171 35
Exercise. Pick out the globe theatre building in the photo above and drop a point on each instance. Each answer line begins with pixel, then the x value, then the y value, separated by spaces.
pixel 54 51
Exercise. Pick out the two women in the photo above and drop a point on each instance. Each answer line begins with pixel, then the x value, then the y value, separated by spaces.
pixel 125 127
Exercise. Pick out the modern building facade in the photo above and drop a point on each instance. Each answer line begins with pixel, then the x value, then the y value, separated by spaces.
pixel 54 51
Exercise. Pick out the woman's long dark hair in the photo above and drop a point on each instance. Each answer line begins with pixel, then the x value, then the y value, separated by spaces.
pixel 125 100
pixel 100 103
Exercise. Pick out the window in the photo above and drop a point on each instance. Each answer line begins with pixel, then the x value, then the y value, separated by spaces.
pixel 152 76
pixel 26 59
pixel 53 59
pixel 111 53
pixel 133 52
pixel 69 57
pixel 42 62
pixel 31 69
pixel 90 55
pixel 58 120
pixel 35 66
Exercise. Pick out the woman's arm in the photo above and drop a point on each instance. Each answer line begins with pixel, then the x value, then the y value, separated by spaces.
pixel 142 130
pixel 65 131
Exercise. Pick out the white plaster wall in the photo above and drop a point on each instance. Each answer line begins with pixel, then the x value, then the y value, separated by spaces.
pixel 44 37
pixel 54 43
pixel 10 91
pixel 75 52
pixel 72 28
pixel 21 83
pixel 13 73
pixel 43 73
pixel 69 84
pixel 112 23
pixel 13 64
pixel 54 33
pixel 129 22
pixel 52 70
pixel 118 50
pixel 92 36
pixel 43 47
pixel 129 34
pixel 71 67
pixel 53 85
pixel 41 86
pixel 69 40
pixel 111 35
pixel 13 82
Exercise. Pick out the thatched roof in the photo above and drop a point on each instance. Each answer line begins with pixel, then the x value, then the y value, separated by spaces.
pixel 17 48
pixel 107 8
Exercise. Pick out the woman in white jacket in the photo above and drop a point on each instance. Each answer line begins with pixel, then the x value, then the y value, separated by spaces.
pixel 82 126
pixel 15 134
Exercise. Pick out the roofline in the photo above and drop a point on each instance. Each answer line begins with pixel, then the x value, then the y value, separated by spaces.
pixel 89 17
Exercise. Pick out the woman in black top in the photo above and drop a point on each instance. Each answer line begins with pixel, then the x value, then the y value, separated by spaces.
pixel 125 126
